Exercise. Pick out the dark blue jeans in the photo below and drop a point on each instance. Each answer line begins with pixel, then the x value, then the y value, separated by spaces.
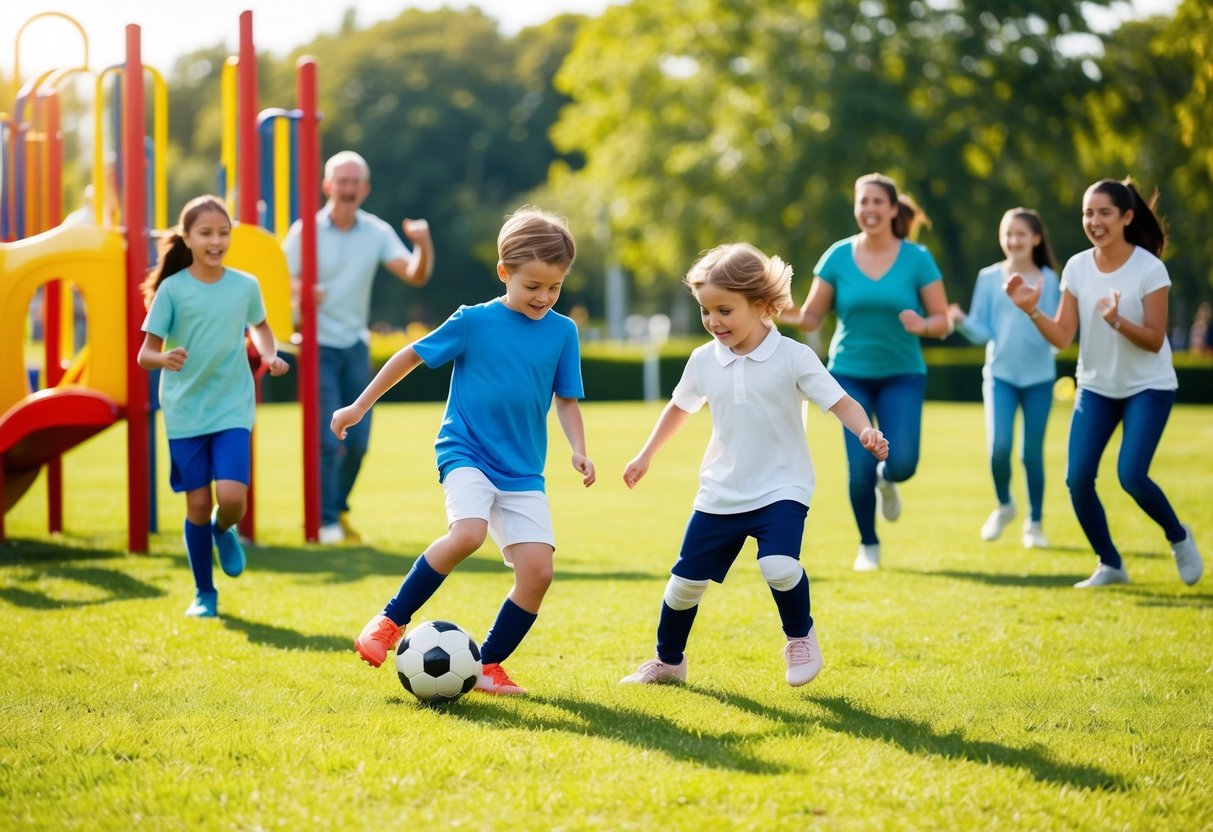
pixel 894 404
pixel 344 374
pixel 1142 417
pixel 1002 399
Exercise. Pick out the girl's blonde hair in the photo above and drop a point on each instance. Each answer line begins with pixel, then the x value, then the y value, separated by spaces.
pixel 741 268
pixel 531 234
pixel 175 255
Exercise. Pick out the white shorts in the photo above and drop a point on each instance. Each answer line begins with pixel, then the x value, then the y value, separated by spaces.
pixel 513 516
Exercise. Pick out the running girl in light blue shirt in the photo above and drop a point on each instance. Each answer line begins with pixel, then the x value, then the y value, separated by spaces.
pixel 198 311
pixel 1020 366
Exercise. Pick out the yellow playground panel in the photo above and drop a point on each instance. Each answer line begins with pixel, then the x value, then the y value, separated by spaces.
pixel 256 251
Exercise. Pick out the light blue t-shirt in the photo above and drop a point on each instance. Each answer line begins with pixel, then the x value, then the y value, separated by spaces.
pixel 869 341
pixel 1016 352
pixel 213 391
pixel 507 368
pixel 346 263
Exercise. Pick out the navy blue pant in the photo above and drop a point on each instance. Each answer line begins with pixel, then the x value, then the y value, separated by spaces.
pixel 344 374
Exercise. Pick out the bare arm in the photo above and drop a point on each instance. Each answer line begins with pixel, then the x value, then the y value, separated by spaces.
pixel 397 367
pixel 853 416
pixel 151 356
pixel 936 324
pixel 415 270
pixel 816 306
pixel 263 339
pixel 568 411
pixel 670 421
pixel 1058 330
pixel 1151 333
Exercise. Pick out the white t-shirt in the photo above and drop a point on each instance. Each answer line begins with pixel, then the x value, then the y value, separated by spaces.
pixel 1108 363
pixel 758 453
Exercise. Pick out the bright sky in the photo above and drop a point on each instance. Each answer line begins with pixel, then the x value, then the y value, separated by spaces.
pixel 170 28
pixel 173 27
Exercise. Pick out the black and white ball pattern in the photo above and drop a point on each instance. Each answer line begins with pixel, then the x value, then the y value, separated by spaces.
pixel 438 662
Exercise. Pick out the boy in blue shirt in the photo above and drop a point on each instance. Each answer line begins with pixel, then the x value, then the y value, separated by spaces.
pixel 511 358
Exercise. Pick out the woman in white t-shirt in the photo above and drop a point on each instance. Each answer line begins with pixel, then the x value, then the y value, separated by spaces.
pixel 1114 296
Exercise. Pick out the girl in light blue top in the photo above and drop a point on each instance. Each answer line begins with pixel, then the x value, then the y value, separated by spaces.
pixel 1020 367
pixel 197 316
pixel 888 293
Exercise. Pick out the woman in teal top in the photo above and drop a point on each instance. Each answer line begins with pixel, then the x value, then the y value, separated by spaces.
pixel 887 293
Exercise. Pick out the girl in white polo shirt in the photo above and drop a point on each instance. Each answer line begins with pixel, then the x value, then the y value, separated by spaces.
pixel 1114 296
pixel 756 479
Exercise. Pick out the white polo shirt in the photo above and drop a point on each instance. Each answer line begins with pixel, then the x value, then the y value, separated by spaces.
pixel 758 453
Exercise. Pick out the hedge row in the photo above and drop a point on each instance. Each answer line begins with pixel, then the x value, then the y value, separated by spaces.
pixel 953 375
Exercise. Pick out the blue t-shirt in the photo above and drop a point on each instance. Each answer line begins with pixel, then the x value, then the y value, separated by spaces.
pixel 507 368
pixel 869 341
pixel 346 264
pixel 1016 352
pixel 213 391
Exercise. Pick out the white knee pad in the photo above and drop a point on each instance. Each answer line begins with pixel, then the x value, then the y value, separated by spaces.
pixel 682 594
pixel 781 572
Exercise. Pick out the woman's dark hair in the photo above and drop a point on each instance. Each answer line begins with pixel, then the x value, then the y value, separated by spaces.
pixel 175 255
pixel 909 217
pixel 1042 252
pixel 1146 229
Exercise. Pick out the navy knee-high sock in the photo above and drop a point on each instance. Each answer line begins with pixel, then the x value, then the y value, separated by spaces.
pixel 794 609
pixel 510 628
pixel 673 630
pixel 421 583
pixel 199 549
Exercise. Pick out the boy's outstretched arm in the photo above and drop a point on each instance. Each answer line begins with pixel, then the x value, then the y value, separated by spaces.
pixel 851 414
pixel 397 367
pixel 670 421
pixel 569 414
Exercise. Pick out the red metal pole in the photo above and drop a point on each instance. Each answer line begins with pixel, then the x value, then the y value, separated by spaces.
pixel 309 352
pixel 134 213
pixel 248 197
pixel 54 297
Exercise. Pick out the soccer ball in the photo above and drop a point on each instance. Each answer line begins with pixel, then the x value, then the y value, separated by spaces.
pixel 438 662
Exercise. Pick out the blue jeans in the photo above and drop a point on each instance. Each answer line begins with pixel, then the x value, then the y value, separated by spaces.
pixel 1142 417
pixel 894 404
pixel 1002 399
pixel 344 374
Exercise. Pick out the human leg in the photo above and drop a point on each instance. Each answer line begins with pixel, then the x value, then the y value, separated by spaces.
pixel 355 376
pixel 1001 401
pixel 1037 401
pixel 230 464
pixel 1145 417
pixel 190 473
pixel 330 446
pixel 1094 420
pixel 861 465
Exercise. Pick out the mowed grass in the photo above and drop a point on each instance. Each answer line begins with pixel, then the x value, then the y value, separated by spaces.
pixel 966 684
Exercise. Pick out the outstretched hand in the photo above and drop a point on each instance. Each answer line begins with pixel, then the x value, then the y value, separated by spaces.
pixel 344 419
pixel 874 442
pixel 583 464
pixel 417 231
pixel 1024 296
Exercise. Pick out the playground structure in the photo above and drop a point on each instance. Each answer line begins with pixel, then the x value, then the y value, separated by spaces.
pixel 106 262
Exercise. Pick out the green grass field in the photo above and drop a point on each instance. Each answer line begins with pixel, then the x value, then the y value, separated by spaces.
pixel 966 685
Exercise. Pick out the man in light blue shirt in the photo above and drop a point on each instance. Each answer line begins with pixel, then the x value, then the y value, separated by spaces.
pixel 350 246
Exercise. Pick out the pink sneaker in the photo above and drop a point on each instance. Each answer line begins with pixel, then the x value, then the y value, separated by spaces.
pixel 657 672
pixel 804 658
pixel 378 638
pixel 494 679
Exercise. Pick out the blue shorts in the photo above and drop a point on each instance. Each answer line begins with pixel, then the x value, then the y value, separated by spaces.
pixel 712 541
pixel 197 461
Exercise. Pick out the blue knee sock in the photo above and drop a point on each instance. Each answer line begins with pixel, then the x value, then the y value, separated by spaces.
pixel 510 628
pixel 421 583
pixel 794 609
pixel 673 630
pixel 199 549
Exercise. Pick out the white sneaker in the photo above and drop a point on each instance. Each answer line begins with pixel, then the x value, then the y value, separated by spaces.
pixel 657 672
pixel 887 499
pixel 1187 558
pixel 803 657
pixel 868 558
pixel 1034 536
pixel 997 521
pixel 331 534
pixel 1104 575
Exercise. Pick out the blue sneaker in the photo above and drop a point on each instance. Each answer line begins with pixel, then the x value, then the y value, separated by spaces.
pixel 206 605
pixel 231 553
